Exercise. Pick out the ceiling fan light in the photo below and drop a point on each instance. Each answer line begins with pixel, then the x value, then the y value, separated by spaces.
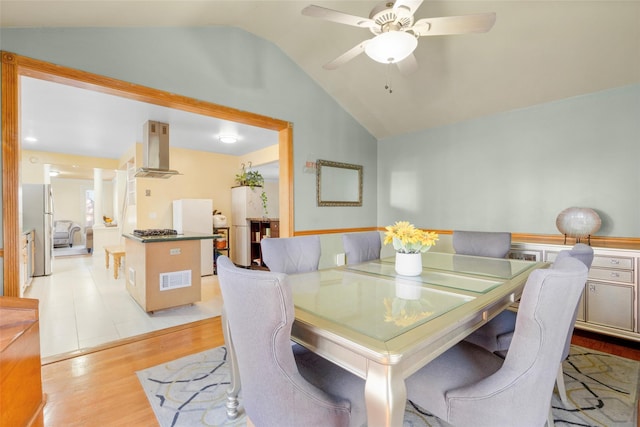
pixel 228 139
pixel 391 47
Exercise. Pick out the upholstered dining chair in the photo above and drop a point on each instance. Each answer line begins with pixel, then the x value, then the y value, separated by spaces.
pixel 470 386
pixel 496 335
pixel 291 255
pixel 482 243
pixel 361 247
pixel 277 389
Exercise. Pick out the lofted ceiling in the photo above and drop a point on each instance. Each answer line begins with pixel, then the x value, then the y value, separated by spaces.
pixel 538 51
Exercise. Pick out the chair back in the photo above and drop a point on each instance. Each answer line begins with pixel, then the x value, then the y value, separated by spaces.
pixel 291 255
pixel 580 251
pixel 522 387
pixel 361 247
pixel 584 254
pixel 259 309
pixel 482 243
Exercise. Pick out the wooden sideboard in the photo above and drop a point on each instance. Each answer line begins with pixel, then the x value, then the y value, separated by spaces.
pixel 610 301
pixel 21 399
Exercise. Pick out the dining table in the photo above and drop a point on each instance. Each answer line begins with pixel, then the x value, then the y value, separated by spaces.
pixel 383 327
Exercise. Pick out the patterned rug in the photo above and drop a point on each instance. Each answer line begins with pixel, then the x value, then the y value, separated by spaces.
pixel 191 391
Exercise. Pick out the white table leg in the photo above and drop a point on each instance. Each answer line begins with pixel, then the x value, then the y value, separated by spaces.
pixel 234 383
pixel 385 395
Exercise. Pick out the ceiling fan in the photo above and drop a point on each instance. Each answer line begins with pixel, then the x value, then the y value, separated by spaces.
pixel 396 32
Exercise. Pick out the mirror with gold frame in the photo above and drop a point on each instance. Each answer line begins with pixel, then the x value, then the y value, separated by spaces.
pixel 338 184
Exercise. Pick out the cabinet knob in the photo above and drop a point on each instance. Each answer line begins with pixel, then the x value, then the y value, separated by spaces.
pixel 615 261
pixel 592 288
pixel 614 274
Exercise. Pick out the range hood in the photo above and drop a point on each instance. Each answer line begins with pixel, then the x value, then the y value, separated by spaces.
pixel 155 152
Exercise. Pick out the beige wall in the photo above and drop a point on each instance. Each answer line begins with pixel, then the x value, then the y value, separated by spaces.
pixel 33 162
pixel 204 176
pixel 69 201
pixel 260 157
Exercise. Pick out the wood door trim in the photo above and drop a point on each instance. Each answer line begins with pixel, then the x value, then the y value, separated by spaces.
pixel 14 66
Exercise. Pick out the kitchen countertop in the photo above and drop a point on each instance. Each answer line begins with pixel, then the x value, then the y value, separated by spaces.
pixel 170 238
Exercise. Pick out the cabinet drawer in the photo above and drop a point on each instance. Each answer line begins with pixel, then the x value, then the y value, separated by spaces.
pixel 610 305
pixel 612 262
pixel 622 263
pixel 624 276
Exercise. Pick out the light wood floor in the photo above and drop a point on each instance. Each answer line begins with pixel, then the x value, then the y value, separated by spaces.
pixel 101 388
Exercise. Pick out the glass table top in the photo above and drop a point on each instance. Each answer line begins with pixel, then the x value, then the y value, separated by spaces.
pixel 431 277
pixel 373 300
pixel 444 269
pixel 378 307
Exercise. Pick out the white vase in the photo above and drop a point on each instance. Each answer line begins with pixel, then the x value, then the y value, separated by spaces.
pixel 408 264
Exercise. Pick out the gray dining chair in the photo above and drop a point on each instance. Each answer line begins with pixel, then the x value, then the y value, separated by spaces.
pixel 278 389
pixel 497 334
pixel 482 243
pixel 470 386
pixel 291 255
pixel 361 247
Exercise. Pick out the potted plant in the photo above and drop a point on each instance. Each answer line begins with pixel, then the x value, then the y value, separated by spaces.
pixel 409 242
pixel 253 179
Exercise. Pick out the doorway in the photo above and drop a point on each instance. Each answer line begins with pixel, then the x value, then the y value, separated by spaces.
pixel 14 66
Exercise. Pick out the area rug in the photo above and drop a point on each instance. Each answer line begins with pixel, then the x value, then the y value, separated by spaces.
pixel 191 391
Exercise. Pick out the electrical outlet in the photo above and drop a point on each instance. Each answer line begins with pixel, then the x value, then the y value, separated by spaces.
pixel 147 193
pixel 174 251
pixel 340 259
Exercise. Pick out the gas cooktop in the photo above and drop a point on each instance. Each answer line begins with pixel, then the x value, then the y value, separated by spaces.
pixel 150 232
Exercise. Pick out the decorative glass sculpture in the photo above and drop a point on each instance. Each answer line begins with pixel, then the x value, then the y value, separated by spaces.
pixel 578 223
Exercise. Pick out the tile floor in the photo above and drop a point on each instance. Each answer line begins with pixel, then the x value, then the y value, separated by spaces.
pixel 82 306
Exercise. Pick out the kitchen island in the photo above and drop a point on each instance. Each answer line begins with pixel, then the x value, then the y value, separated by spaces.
pixel 163 271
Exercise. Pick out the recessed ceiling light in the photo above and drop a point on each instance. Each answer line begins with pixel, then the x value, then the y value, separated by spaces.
pixel 228 139
pixel 31 139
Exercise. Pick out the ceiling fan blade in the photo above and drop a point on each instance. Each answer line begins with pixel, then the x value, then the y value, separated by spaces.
pixel 480 23
pixel 411 5
pixel 346 57
pixel 335 16
pixel 407 66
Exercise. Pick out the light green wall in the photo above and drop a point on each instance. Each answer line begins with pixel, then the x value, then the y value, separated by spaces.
pixel 517 170
pixel 513 171
pixel 230 67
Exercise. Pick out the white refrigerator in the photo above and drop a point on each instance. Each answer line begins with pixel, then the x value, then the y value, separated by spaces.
pixel 37 214
pixel 245 203
pixel 196 216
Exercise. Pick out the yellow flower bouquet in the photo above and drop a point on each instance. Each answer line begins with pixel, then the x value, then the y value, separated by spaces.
pixel 408 239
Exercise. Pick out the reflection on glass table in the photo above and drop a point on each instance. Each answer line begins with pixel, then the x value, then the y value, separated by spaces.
pixel 378 307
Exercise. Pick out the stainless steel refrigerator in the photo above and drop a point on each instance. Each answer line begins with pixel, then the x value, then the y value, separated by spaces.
pixel 37 214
